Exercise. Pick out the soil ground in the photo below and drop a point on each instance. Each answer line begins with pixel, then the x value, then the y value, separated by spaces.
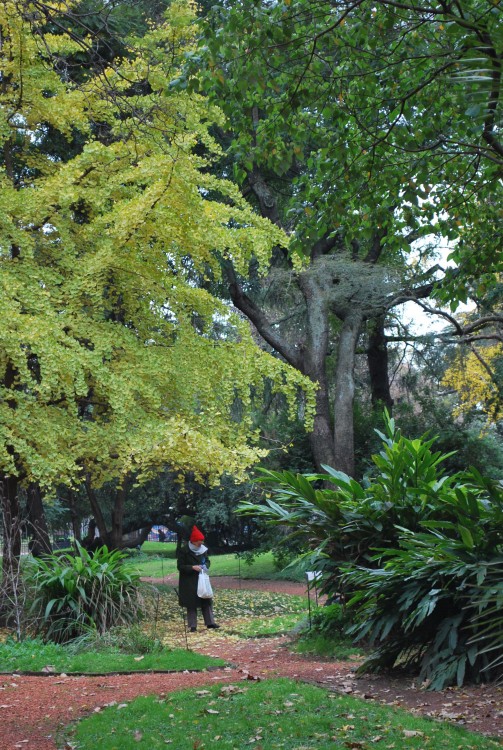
pixel 32 709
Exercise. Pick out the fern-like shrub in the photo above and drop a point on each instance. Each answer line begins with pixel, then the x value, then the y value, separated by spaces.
pixel 417 553
pixel 82 592
pixel 432 603
pixel 429 608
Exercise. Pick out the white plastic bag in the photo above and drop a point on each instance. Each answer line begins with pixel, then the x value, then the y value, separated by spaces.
pixel 204 590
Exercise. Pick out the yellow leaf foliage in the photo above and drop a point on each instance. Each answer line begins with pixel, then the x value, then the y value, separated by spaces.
pixel 111 360
pixel 472 381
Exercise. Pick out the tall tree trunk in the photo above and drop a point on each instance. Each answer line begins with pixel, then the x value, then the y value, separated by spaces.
pixel 88 540
pixel 344 394
pixel 310 359
pixel 313 364
pixel 76 527
pixel 40 543
pixel 11 522
pixel 95 507
pixel 377 357
pixel 118 515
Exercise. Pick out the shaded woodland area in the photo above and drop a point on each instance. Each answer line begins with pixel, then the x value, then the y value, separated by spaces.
pixel 211 223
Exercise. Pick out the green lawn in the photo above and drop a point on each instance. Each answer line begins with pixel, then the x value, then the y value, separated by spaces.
pixel 166 549
pixel 151 564
pixel 158 559
pixel 35 656
pixel 270 715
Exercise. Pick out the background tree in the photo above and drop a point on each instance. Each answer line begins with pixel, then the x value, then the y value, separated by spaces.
pixel 109 353
pixel 353 127
pixel 295 157
pixel 476 376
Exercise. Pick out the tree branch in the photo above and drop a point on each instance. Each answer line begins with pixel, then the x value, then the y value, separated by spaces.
pixel 263 325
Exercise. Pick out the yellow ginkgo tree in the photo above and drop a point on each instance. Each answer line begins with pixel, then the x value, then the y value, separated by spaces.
pixel 110 360
pixel 474 377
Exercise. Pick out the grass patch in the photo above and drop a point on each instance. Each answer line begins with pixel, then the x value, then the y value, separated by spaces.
pixel 153 567
pixel 250 614
pixel 162 603
pixel 267 626
pixel 262 566
pixel 32 655
pixel 275 714
pixel 159 549
pixel 324 634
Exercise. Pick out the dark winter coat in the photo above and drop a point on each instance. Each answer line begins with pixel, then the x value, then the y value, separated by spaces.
pixel 187 580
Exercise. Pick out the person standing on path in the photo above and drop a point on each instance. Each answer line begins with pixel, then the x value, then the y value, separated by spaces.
pixel 191 559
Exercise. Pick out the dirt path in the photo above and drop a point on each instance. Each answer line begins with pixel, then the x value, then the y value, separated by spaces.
pixel 32 709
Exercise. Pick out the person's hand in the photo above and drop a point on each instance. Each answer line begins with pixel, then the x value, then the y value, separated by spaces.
pixel 197 568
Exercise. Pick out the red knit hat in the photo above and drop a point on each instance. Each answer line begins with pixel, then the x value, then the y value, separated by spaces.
pixel 196 535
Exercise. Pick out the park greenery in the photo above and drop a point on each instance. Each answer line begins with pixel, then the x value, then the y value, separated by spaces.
pixel 76 592
pixel 416 554
pixel 211 218
pixel 273 714
pixel 116 655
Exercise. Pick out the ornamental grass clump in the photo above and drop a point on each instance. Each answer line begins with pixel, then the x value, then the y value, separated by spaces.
pixel 81 592
pixel 127 639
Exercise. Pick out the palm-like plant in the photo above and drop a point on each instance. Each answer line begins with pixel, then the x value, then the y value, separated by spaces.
pixel 417 552
pixel 76 593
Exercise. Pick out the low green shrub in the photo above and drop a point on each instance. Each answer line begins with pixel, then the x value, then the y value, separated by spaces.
pixel 80 592
pixel 325 633
pixel 488 622
pixel 332 620
pixel 433 603
pixel 327 647
pixel 429 607
pixel 30 654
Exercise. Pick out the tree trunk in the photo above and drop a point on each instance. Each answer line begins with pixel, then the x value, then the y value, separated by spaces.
pixel 11 520
pixel 113 538
pixel 313 364
pixel 40 543
pixel 118 515
pixel 9 592
pixel 95 507
pixel 76 528
pixel 344 395
pixel 88 540
pixel 377 357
